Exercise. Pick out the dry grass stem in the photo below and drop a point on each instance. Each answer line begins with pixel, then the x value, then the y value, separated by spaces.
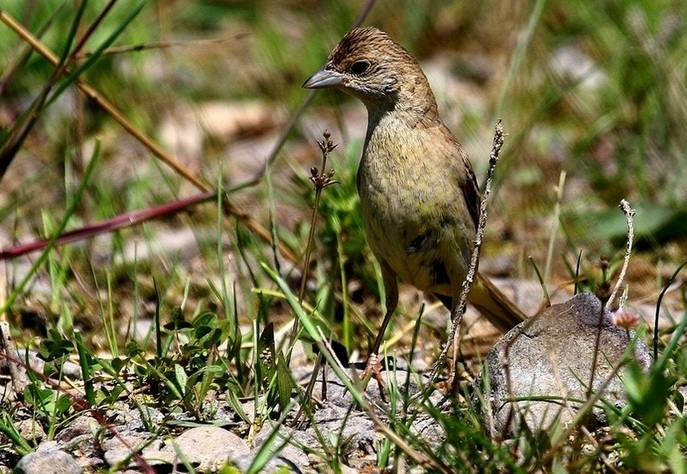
pixel 629 216
pixel 459 309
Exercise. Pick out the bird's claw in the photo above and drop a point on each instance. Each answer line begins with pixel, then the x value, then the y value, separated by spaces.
pixel 373 369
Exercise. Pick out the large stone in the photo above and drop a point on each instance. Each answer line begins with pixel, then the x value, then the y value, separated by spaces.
pixel 540 372
pixel 207 448
pixel 47 460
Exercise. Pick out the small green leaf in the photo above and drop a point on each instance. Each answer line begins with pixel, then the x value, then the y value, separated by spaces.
pixel 118 364
pixel 266 363
pixel 205 319
pixel 284 382
pixel 181 378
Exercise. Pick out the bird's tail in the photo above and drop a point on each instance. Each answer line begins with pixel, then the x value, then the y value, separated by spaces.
pixel 494 305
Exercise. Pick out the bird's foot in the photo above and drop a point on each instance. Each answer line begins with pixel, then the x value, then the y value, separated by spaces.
pixel 373 369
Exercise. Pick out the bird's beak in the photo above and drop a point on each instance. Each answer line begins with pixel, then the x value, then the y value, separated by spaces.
pixel 324 78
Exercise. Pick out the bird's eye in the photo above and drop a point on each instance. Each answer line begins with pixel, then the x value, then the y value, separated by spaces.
pixel 359 67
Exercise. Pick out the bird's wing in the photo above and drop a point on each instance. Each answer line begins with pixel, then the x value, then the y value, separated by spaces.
pixel 470 190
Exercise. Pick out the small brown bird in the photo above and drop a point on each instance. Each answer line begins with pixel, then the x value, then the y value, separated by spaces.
pixel 419 195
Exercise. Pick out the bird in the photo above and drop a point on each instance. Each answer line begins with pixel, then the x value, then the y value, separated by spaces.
pixel 420 201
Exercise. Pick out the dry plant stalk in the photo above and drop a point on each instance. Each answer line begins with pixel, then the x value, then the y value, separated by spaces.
pixel 459 309
pixel 629 216
pixel 320 180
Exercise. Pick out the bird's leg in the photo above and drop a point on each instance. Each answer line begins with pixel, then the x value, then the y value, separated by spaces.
pixel 374 364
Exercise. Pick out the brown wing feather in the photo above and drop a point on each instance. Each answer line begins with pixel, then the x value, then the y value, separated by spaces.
pixel 471 192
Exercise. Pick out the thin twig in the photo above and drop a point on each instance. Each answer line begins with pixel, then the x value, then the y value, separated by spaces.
pixel 363 13
pixel 629 216
pixel 121 221
pixel 320 179
pixel 91 29
pixel 133 48
pixel 459 309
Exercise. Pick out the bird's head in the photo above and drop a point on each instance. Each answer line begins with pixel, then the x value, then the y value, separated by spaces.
pixel 374 68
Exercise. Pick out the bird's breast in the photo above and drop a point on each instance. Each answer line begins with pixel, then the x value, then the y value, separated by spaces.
pixel 413 215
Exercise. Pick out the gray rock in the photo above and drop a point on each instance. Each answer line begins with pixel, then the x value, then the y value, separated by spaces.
pixel 118 450
pixel 127 419
pixel 83 425
pixel 207 448
pixel 30 430
pixel 550 356
pixel 50 445
pixel 47 460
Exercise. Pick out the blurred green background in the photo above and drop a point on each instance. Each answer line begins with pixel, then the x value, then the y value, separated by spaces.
pixel 592 89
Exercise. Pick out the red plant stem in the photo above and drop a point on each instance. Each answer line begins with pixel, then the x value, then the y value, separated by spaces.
pixel 118 222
